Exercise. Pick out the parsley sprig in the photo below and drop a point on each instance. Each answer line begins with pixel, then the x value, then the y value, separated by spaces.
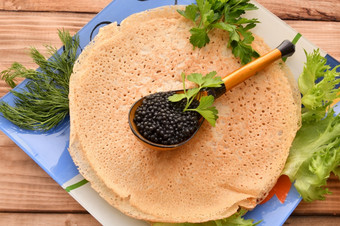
pixel 43 102
pixel 205 107
pixel 225 15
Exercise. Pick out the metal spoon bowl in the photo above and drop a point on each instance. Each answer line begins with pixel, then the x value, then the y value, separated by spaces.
pixel 285 49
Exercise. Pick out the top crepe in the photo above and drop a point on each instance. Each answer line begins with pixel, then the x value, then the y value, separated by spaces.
pixel 233 164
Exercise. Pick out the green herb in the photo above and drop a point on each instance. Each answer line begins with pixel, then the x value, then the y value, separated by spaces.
pixel 205 107
pixel 317 96
pixel 235 219
pixel 43 102
pixel 225 15
pixel 315 151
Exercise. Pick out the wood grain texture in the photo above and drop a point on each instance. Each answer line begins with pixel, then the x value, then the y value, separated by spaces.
pixel 323 34
pixel 54 6
pixel 18 31
pixel 26 219
pixel 36 219
pixel 327 10
pixel 25 187
pixel 28 196
pixel 35 29
pixel 314 220
pixel 293 9
pixel 330 206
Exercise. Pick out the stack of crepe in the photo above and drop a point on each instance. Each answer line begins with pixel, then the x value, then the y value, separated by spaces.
pixel 232 165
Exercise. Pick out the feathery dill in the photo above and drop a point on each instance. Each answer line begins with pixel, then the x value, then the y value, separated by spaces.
pixel 43 102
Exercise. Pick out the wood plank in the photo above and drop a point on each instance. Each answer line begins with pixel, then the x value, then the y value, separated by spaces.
pixel 24 219
pixel 25 187
pixel 330 206
pixel 18 31
pixel 325 35
pixel 39 219
pixel 327 10
pixel 312 220
pixel 55 6
pixel 298 10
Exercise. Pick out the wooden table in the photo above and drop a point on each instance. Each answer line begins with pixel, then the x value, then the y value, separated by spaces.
pixel 28 196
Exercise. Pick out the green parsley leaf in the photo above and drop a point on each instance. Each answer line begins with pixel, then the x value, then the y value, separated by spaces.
pixel 205 107
pixel 192 92
pixel 210 75
pixel 190 12
pixel 204 8
pixel 177 97
pixel 225 15
pixel 210 81
pixel 206 110
pixel 244 51
pixel 210 114
pixel 196 78
pixel 205 102
pixel 199 37
pixel 233 35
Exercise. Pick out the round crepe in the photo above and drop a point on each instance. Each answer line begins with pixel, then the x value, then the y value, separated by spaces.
pixel 233 164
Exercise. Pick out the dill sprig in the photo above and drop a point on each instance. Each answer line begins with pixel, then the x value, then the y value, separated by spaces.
pixel 43 103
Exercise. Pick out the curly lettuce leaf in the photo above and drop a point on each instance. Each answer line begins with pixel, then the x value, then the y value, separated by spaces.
pixel 235 219
pixel 317 96
pixel 313 69
pixel 314 154
pixel 315 151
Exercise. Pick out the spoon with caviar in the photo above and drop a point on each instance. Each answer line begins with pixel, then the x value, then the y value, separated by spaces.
pixel 162 124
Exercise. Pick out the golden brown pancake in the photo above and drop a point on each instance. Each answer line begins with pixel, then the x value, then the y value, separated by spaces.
pixel 223 168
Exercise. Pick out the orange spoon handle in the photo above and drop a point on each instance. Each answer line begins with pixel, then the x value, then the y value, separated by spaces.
pixel 285 49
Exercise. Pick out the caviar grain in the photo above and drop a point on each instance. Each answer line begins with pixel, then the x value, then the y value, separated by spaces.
pixel 164 122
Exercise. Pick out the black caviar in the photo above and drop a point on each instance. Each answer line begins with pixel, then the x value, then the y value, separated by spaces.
pixel 164 122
